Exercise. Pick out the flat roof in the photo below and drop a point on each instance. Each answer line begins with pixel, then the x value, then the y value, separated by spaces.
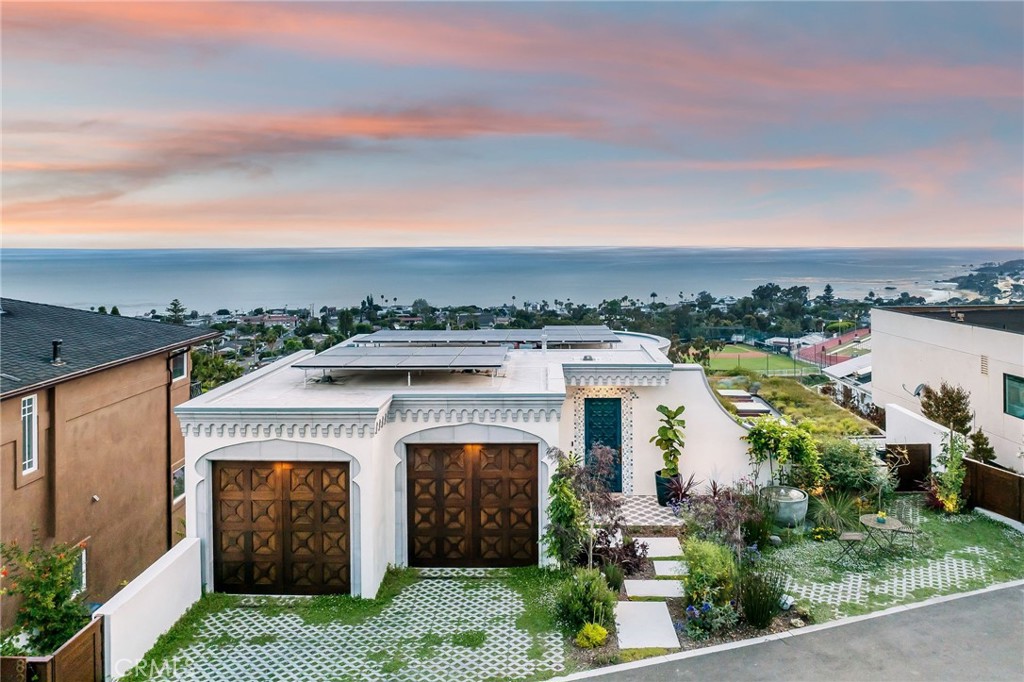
pixel 556 335
pixel 1009 318
pixel 531 372
pixel 853 366
pixel 439 358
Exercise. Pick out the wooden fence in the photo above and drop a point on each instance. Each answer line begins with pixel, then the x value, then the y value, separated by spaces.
pixel 916 467
pixel 995 489
pixel 80 659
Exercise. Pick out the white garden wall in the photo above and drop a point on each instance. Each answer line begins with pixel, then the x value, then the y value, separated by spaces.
pixel 148 606
pixel 903 426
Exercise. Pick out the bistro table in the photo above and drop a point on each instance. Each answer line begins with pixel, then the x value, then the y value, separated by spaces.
pixel 883 534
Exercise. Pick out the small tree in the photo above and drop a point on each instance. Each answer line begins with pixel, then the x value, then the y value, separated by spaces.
pixel 50 612
pixel 213 370
pixel 981 448
pixel 949 406
pixel 949 484
pixel 176 312
pixel 565 532
pixel 114 311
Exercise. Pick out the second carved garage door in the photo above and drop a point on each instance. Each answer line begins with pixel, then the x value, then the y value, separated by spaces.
pixel 281 527
pixel 472 505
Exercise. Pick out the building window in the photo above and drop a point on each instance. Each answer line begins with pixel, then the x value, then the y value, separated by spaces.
pixel 29 435
pixel 1013 396
pixel 81 574
pixel 179 366
pixel 178 483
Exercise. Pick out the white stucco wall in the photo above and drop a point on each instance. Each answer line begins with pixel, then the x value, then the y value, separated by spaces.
pixel 148 606
pixel 909 350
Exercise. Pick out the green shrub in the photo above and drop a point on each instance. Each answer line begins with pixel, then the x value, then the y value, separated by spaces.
pixel 757 525
pixel 51 613
pixel 591 635
pixel 850 467
pixel 712 570
pixel 836 510
pixel 760 589
pixel 614 575
pixel 566 532
pixel 585 598
pixel 701 623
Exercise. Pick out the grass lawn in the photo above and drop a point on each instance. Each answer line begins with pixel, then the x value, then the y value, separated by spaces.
pixel 727 359
pixel 951 554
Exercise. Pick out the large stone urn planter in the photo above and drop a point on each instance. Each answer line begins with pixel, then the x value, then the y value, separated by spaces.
pixel 789 504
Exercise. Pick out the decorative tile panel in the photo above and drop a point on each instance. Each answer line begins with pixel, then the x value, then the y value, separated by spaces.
pixel 627 395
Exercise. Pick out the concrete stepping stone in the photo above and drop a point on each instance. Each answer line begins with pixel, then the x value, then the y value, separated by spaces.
pixel 653 588
pixel 672 567
pixel 661 547
pixel 644 624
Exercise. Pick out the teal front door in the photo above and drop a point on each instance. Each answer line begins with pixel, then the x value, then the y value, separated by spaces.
pixel 603 424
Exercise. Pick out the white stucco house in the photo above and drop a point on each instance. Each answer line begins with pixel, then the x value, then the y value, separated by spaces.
pixel 980 348
pixel 425 448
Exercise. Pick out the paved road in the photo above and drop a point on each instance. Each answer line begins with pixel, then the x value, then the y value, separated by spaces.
pixel 973 639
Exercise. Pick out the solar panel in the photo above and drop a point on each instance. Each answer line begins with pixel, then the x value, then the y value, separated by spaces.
pixel 556 334
pixel 414 357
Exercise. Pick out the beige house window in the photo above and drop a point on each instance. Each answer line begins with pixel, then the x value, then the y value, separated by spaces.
pixel 179 366
pixel 29 435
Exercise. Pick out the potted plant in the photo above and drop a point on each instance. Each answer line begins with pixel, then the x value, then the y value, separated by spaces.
pixel 670 440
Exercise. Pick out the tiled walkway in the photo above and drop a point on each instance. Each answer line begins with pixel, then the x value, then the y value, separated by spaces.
pixel 644 510
pixel 416 637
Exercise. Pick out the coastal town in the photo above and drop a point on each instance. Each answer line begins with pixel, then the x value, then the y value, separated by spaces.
pixel 511 341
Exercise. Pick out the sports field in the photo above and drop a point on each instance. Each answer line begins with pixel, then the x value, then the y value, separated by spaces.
pixel 748 357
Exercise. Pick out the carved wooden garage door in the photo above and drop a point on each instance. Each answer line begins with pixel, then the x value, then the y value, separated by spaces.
pixel 472 505
pixel 281 528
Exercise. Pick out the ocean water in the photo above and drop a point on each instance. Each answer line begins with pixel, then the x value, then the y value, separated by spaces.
pixel 207 279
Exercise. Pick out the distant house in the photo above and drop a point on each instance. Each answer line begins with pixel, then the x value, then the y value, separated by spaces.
pixel 853 380
pixel 269 320
pixel 90 448
pixel 980 348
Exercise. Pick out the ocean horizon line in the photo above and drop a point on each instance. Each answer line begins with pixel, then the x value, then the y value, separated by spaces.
pixel 596 247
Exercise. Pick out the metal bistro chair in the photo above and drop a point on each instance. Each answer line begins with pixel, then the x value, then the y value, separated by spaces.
pixel 851 543
pixel 908 530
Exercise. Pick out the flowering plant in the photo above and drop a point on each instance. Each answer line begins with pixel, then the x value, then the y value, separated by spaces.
pixel 881 514
pixel 707 619
pixel 50 611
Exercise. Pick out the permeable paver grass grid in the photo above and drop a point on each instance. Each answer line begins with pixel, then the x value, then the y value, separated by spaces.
pixel 438 629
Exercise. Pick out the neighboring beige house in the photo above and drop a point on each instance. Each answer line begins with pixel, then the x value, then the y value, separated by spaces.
pixel 980 348
pixel 427 449
pixel 90 447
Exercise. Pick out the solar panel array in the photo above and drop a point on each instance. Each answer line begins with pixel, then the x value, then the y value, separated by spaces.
pixel 410 358
pixel 556 335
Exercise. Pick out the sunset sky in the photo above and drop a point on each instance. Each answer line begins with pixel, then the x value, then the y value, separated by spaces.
pixel 143 125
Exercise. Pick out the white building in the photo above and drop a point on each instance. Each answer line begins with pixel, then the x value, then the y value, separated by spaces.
pixel 426 449
pixel 980 348
pixel 853 380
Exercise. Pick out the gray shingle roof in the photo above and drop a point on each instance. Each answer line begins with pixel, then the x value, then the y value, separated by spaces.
pixel 91 341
